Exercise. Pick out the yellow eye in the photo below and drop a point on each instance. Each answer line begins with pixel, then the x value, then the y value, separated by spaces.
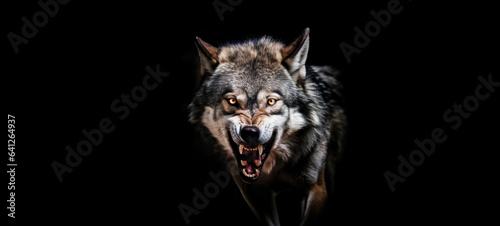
pixel 232 101
pixel 271 101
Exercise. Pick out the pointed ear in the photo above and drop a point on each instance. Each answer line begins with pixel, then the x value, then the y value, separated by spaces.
pixel 208 56
pixel 295 55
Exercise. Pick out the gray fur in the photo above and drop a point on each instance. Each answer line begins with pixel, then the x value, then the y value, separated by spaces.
pixel 307 123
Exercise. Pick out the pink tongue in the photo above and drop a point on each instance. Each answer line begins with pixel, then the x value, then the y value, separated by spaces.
pixel 251 156
pixel 249 168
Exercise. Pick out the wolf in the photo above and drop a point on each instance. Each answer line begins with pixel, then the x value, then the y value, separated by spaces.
pixel 278 124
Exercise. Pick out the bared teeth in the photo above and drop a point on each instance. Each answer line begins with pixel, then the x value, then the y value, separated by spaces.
pixel 241 149
pixel 245 172
pixel 257 160
pixel 251 175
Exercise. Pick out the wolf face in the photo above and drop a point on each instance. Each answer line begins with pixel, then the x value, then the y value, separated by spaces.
pixel 250 100
pixel 275 120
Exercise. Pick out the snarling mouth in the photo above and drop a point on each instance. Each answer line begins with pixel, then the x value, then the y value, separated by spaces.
pixel 251 159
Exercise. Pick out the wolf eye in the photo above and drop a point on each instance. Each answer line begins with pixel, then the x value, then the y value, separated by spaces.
pixel 232 101
pixel 271 101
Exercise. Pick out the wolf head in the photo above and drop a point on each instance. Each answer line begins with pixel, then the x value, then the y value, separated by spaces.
pixel 252 101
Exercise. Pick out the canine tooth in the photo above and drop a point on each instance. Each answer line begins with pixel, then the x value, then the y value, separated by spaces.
pixel 243 162
pixel 257 163
pixel 241 149
pixel 245 173
pixel 261 149
pixel 257 172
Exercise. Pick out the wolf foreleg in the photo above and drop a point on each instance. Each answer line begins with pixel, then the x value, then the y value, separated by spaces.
pixel 261 200
pixel 315 203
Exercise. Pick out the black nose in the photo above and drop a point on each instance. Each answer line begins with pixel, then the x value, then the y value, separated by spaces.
pixel 250 134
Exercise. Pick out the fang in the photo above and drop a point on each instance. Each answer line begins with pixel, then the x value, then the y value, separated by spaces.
pixel 241 149
pixel 245 173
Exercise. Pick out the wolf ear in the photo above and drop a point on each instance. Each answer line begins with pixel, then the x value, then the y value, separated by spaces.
pixel 208 56
pixel 295 55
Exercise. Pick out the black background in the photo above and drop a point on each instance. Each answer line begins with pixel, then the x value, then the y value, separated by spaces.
pixel 397 89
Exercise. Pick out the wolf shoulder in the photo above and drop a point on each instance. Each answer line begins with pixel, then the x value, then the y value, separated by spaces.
pixel 325 81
